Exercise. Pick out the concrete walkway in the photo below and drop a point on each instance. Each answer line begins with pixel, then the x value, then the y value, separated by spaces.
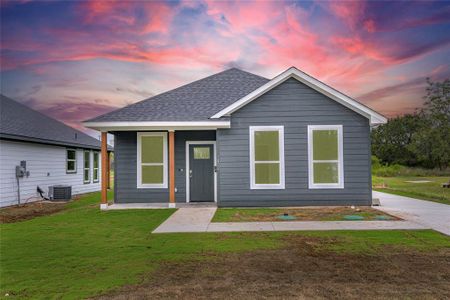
pixel 188 220
pixel 199 220
pixel 429 214
pixel 312 225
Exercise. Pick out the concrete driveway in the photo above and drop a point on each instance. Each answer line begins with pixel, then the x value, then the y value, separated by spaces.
pixel 427 213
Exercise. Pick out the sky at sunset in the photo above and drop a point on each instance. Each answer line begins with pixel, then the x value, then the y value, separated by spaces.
pixel 76 60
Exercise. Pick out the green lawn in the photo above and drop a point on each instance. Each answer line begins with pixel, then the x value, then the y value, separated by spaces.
pixel 432 190
pixel 82 251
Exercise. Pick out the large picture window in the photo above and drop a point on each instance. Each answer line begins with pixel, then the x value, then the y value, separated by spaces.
pixel 95 173
pixel 71 161
pixel 267 157
pixel 325 156
pixel 152 160
pixel 87 167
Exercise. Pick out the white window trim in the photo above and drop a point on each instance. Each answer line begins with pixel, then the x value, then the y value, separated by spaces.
pixel 94 168
pixel 253 185
pixel 74 171
pixel 84 166
pixel 340 161
pixel 141 185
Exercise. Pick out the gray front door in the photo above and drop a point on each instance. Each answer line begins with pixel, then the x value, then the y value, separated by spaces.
pixel 201 173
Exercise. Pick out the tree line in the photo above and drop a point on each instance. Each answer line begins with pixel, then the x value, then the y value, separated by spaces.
pixel 420 139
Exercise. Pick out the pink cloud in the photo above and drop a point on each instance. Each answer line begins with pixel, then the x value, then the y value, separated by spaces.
pixel 351 12
pixel 347 46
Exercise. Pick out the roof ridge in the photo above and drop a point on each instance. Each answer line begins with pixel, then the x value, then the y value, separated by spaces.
pixel 173 90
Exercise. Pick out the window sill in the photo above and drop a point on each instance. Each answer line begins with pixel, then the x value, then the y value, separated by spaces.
pixel 152 186
pixel 325 186
pixel 267 187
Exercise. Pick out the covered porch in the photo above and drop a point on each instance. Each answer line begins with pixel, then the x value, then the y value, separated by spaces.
pixel 182 174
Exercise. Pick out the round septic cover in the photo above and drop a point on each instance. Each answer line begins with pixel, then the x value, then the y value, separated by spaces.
pixel 353 217
pixel 286 217
pixel 382 218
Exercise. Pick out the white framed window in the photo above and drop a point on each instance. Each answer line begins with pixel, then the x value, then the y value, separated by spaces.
pixel 71 161
pixel 95 170
pixel 152 160
pixel 325 157
pixel 87 167
pixel 267 157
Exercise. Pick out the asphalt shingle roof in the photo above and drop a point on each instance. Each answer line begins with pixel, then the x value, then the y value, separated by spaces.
pixel 196 101
pixel 20 122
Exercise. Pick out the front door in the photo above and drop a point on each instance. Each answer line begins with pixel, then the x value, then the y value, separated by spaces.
pixel 201 173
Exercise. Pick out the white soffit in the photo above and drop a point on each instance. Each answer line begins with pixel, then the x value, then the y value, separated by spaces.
pixel 126 126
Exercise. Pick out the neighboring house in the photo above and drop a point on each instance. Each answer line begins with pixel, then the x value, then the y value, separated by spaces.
pixel 54 154
pixel 243 140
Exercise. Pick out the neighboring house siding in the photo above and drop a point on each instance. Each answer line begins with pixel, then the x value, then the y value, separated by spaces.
pixel 125 173
pixel 295 106
pixel 47 166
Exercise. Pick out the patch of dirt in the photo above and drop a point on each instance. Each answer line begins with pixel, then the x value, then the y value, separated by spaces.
pixel 28 211
pixel 299 271
pixel 311 214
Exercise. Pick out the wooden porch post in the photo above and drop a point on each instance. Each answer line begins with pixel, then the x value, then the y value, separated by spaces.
pixel 108 163
pixel 171 169
pixel 105 167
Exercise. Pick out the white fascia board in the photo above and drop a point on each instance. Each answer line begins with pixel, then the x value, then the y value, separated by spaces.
pixel 127 126
pixel 373 116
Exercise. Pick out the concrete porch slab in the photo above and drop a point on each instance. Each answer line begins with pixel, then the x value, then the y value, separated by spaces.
pixel 119 206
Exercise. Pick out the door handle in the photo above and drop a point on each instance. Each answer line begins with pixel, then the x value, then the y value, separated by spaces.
pixel 190 173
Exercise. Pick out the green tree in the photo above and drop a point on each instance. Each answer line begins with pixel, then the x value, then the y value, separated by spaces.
pixel 431 143
pixel 391 141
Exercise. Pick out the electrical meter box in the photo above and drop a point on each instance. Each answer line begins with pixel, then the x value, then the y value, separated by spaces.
pixel 20 171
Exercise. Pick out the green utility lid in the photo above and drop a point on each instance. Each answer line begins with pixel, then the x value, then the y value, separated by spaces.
pixel 353 218
pixel 286 217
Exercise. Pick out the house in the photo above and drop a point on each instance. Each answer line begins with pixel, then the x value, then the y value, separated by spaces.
pixel 238 139
pixel 50 152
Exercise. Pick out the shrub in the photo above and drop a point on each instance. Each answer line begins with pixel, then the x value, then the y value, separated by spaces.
pixel 383 170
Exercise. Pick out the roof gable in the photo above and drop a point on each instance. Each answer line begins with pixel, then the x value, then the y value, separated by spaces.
pixel 373 116
pixel 20 122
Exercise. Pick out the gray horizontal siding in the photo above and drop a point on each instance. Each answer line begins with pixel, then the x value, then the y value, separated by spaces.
pixel 295 106
pixel 125 173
